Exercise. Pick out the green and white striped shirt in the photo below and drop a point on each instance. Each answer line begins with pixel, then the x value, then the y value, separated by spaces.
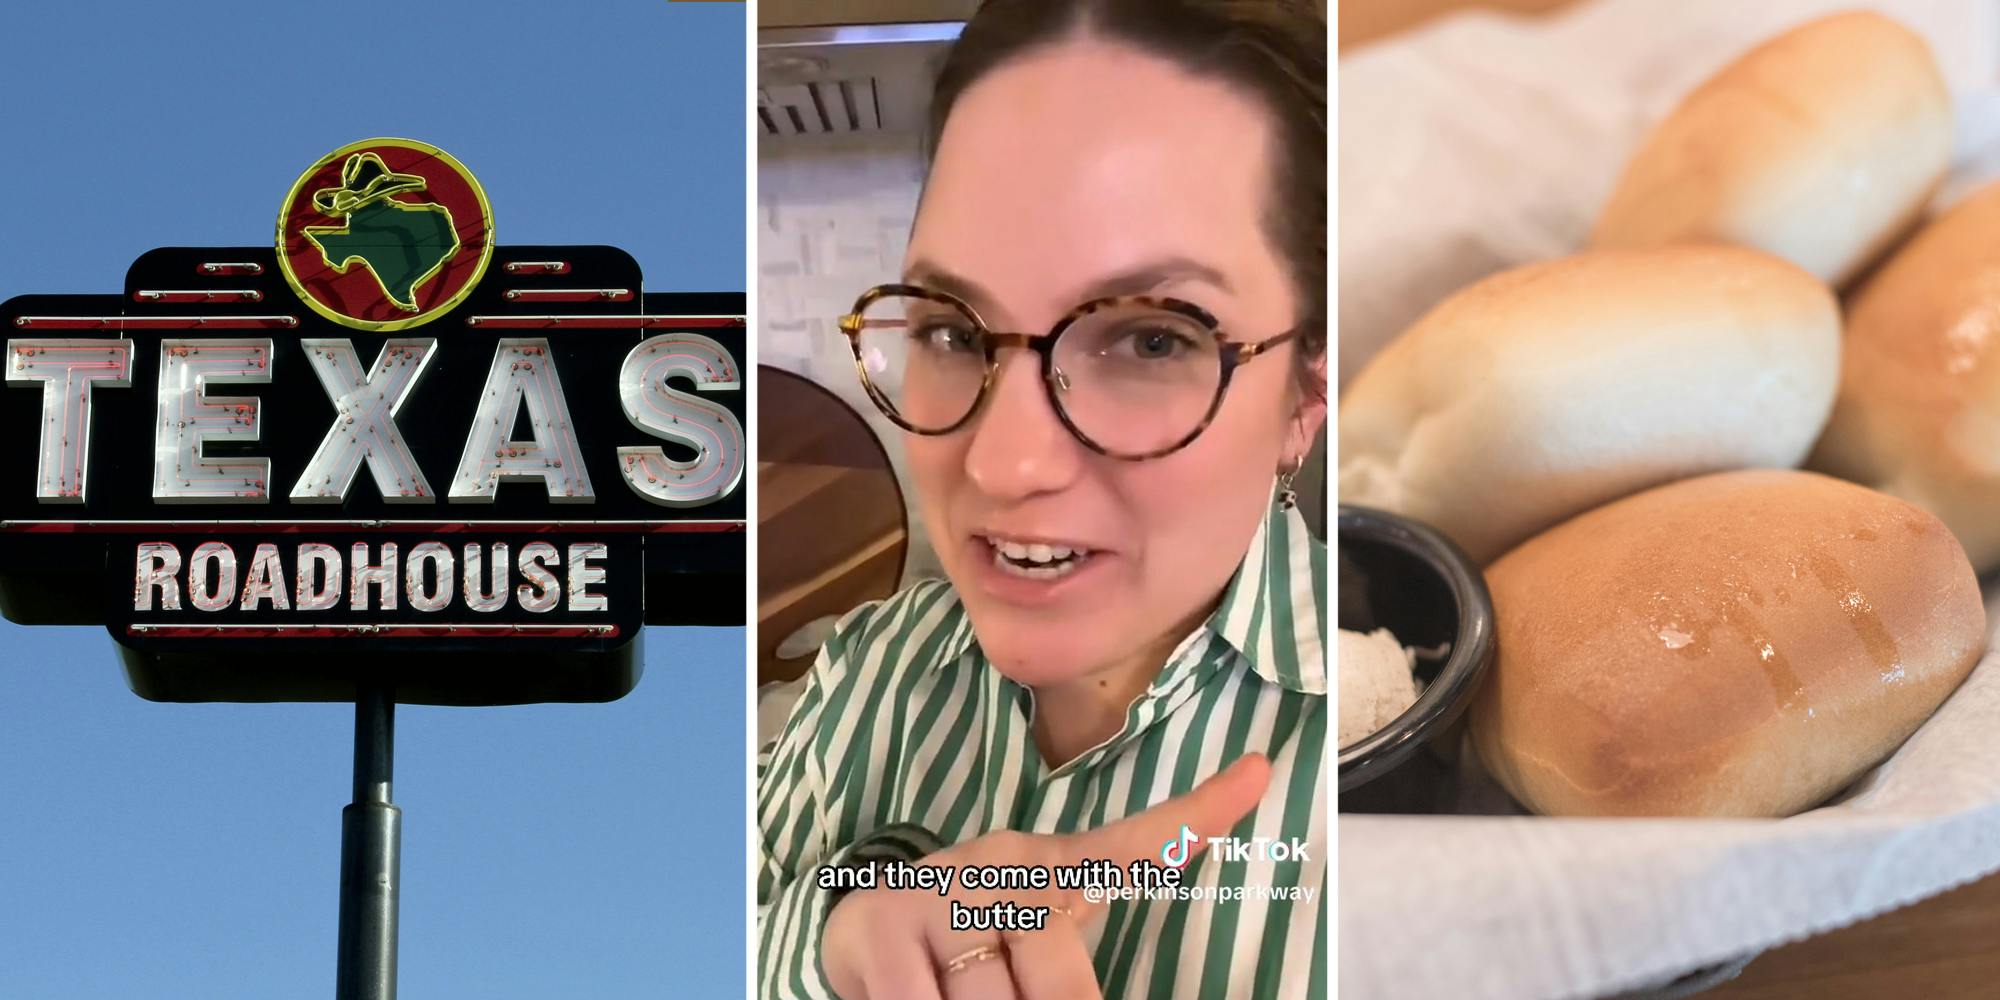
pixel 907 740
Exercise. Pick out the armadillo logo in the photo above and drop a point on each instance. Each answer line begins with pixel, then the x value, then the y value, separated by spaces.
pixel 385 234
pixel 1176 852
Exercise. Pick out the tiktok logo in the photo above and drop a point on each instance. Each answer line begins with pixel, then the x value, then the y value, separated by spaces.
pixel 1175 853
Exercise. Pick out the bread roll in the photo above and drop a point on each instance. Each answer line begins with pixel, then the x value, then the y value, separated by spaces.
pixel 1820 146
pixel 1741 644
pixel 1919 408
pixel 1544 391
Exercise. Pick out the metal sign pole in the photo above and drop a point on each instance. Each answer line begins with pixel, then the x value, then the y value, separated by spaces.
pixel 371 831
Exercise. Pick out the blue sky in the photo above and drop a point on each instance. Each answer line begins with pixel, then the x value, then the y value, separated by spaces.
pixel 154 850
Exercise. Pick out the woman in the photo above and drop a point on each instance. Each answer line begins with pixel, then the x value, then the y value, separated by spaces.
pixel 1109 350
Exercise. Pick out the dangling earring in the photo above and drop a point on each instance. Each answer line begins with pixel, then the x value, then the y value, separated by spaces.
pixel 1287 497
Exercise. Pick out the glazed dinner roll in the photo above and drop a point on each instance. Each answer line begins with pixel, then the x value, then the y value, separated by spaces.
pixel 1740 644
pixel 1541 392
pixel 1918 413
pixel 1820 146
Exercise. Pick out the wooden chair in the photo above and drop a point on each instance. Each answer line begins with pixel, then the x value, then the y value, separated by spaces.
pixel 833 528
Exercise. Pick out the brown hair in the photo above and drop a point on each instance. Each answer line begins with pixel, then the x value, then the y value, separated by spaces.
pixel 1275 49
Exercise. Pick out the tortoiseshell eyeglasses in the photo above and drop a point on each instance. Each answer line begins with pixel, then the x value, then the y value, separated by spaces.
pixel 1133 377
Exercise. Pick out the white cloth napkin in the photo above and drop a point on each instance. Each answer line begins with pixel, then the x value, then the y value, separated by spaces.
pixel 1483 143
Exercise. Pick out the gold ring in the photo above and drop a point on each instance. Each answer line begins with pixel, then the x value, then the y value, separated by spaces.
pixel 983 953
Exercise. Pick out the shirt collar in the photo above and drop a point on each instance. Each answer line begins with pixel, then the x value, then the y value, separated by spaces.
pixel 960 641
pixel 1270 614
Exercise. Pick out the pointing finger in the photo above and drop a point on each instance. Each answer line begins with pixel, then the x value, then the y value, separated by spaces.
pixel 1208 810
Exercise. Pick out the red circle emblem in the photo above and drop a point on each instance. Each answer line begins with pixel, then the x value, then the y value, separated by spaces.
pixel 385 234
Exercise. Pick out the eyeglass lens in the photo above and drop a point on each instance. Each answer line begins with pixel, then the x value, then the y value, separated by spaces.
pixel 1131 378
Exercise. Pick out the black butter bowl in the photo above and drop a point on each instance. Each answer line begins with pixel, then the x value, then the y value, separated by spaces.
pixel 1405 576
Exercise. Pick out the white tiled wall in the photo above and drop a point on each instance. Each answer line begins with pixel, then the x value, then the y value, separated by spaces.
pixel 834 216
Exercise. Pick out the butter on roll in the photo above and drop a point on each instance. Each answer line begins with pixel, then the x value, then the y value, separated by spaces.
pixel 1740 644
pixel 1918 414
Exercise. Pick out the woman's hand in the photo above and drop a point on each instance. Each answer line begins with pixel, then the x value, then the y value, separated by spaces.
pixel 898 944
